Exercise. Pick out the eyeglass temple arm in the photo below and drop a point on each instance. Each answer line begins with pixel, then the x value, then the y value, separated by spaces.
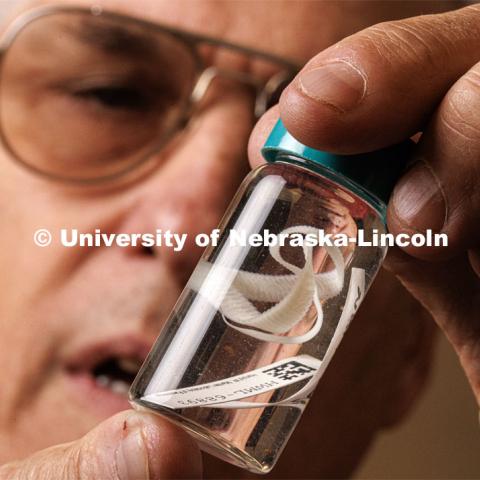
pixel 207 76
pixel 263 89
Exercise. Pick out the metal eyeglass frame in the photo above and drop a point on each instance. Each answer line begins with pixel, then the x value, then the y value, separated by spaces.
pixel 204 75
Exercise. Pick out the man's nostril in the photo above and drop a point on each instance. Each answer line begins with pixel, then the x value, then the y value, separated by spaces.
pixel 148 251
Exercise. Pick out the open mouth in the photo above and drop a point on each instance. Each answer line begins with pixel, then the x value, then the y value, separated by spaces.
pixel 101 374
pixel 116 374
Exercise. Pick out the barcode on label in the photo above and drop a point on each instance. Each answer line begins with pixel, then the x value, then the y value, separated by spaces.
pixel 277 375
pixel 291 370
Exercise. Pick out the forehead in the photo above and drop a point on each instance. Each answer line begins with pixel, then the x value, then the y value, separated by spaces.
pixel 292 29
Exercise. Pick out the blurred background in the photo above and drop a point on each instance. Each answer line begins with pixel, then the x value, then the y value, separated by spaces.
pixel 441 437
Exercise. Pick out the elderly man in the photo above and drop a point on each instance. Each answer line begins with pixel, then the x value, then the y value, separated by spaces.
pixel 100 132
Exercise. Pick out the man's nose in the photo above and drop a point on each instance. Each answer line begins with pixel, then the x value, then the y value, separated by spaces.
pixel 189 191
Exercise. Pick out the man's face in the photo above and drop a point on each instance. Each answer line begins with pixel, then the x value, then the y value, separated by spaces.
pixel 67 313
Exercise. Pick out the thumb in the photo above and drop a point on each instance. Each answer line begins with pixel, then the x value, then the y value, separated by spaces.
pixel 380 85
pixel 128 446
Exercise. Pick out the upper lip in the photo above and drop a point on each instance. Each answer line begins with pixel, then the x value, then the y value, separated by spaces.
pixel 87 356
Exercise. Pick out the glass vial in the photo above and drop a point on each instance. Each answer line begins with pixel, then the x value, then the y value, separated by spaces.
pixel 261 317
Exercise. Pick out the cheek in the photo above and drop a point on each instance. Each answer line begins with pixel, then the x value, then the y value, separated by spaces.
pixel 22 213
pixel 27 204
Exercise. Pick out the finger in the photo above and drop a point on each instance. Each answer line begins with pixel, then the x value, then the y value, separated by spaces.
pixel 442 191
pixel 450 291
pixel 128 446
pixel 378 87
pixel 259 136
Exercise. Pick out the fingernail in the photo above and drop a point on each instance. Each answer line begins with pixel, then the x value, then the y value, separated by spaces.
pixel 132 457
pixel 419 201
pixel 338 84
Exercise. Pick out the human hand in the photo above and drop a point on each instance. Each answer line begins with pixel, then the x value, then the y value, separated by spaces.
pixel 379 87
pixel 127 446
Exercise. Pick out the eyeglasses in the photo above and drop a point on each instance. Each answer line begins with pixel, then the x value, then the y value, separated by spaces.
pixel 87 96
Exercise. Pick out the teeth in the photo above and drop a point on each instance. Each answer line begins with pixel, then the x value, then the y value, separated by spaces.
pixel 119 387
pixel 102 381
pixel 115 374
pixel 129 365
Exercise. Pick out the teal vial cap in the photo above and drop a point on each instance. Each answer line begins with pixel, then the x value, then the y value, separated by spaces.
pixel 376 171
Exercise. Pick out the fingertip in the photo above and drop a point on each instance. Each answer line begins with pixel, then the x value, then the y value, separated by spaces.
pixel 314 123
pixel 172 452
pixel 333 105
pixel 259 135
pixel 320 124
pixel 397 226
pixel 418 207
pixel 142 445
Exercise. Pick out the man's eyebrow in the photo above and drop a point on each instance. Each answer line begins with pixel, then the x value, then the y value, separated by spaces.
pixel 115 38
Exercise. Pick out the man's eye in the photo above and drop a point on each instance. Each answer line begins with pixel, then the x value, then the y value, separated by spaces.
pixel 116 97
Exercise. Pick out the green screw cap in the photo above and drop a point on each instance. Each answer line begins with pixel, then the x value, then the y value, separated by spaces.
pixel 376 171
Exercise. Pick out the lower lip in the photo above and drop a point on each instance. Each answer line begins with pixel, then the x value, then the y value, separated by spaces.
pixel 100 400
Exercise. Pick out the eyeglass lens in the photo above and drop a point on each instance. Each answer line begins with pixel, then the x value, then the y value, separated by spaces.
pixel 84 96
